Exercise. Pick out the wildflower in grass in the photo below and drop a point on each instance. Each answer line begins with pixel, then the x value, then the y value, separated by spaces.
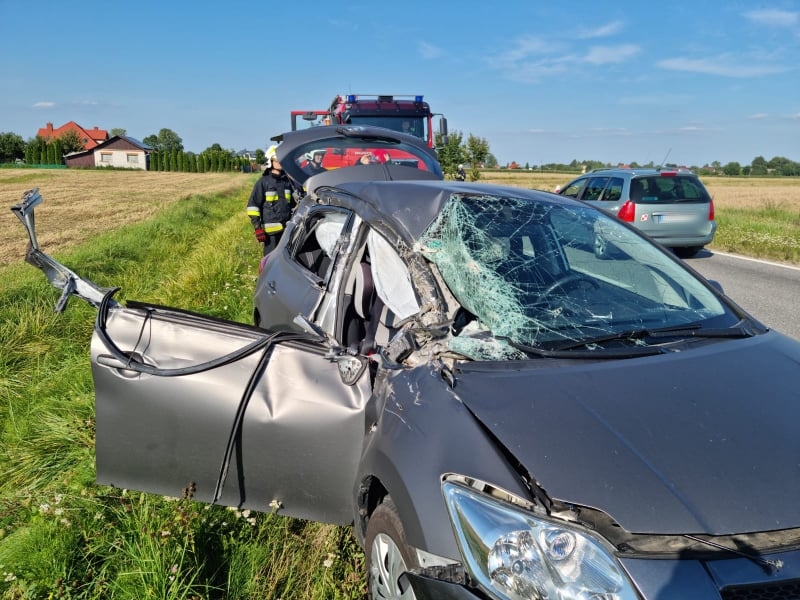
pixel 44 508
pixel 275 505
pixel 328 562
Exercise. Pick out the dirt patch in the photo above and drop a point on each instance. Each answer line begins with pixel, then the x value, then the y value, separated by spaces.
pixel 80 204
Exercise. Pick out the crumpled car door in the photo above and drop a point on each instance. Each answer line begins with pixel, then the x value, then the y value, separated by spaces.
pixel 222 412
pixel 286 290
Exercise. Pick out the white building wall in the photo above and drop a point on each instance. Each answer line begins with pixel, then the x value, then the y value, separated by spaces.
pixel 119 159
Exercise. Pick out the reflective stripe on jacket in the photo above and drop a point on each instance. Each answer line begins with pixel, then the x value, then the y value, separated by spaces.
pixel 270 203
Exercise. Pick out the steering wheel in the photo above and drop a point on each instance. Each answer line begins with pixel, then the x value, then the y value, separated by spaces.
pixel 563 282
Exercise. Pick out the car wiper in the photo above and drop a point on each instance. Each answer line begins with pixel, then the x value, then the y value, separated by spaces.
pixel 683 331
pixel 773 566
pixel 571 352
pixel 725 332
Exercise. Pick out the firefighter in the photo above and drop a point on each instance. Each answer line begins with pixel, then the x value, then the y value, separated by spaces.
pixel 271 203
pixel 461 175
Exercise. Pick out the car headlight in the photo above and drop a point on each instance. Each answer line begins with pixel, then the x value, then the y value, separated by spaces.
pixel 516 555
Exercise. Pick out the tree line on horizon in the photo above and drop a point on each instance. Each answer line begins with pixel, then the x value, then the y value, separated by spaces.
pixel 473 152
pixel 168 152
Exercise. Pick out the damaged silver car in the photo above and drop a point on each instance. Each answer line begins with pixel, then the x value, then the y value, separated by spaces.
pixel 499 411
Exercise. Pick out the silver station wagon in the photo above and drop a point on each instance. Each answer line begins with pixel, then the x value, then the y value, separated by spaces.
pixel 671 206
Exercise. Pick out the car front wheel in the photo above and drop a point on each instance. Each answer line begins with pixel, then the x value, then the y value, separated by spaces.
pixel 387 554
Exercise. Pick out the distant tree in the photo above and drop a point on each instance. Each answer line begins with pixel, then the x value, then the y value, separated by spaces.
pixel 759 166
pixel 732 168
pixel 477 150
pixel 152 141
pixel 491 161
pixel 12 146
pixel 452 154
pixel 215 147
pixel 166 141
pixel 117 131
pixel 71 142
pixel 260 156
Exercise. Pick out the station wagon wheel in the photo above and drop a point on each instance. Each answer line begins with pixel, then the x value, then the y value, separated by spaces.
pixel 687 252
pixel 387 554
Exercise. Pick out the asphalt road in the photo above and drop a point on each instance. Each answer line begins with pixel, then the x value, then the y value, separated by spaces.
pixel 769 291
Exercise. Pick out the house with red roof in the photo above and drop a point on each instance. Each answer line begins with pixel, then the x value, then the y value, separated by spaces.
pixel 89 137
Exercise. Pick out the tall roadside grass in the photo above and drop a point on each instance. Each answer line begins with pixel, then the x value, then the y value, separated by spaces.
pixel 63 536
pixel 771 232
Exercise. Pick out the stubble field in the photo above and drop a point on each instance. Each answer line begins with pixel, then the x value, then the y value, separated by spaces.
pixel 80 204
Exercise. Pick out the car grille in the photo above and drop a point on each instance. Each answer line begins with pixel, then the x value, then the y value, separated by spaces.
pixel 780 590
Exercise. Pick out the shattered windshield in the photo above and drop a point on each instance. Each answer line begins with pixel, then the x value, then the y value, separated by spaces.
pixel 550 275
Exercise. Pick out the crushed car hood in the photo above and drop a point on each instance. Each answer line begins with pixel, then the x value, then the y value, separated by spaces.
pixel 700 441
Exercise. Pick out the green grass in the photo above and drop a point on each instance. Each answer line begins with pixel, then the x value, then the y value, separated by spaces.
pixel 62 536
pixel 772 233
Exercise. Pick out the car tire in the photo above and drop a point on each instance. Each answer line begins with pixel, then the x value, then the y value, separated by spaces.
pixel 687 251
pixel 388 554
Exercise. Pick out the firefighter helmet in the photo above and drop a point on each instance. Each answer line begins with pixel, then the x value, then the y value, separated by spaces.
pixel 270 155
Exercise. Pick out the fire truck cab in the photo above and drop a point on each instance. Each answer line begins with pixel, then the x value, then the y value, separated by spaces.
pixel 407 114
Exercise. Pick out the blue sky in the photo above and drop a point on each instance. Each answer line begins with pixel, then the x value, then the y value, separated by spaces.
pixel 540 81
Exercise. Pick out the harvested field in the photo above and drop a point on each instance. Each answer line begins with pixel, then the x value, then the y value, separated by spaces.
pixel 81 203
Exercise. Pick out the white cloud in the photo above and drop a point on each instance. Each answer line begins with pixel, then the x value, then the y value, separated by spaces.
pixel 606 30
pixel 758 116
pixel 724 66
pixel 774 17
pixel 44 105
pixel 603 55
pixel 429 51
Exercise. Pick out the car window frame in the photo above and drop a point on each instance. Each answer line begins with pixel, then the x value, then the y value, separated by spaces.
pixel 580 182
pixel 301 234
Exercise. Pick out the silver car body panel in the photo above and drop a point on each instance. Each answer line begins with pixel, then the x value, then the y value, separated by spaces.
pixel 293 430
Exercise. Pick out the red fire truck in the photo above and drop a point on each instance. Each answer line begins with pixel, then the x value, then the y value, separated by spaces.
pixel 409 114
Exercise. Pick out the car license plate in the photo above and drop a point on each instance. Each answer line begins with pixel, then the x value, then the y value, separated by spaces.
pixel 673 218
